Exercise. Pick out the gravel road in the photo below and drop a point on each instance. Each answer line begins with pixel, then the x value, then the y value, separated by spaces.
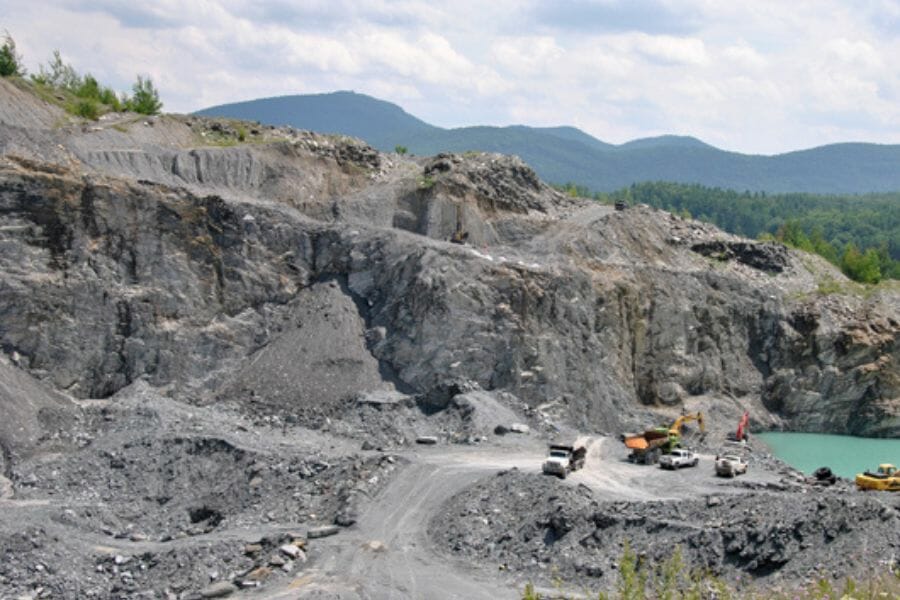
pixel 389 552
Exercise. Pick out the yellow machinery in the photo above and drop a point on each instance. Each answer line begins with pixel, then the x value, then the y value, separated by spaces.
pixel 886 478
pixel 675 429
pixel 647 447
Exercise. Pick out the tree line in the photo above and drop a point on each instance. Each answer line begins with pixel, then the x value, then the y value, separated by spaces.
pixel 858 233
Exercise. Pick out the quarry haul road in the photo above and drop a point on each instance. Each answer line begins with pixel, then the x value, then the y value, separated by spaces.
pixel 387 554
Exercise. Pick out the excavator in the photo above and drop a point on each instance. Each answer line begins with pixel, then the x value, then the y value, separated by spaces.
pixel 742 432
pixel 647 447
pixel 886 478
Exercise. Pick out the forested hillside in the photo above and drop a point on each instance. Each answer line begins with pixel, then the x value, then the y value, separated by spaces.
pixel 860 233
pixel 561 154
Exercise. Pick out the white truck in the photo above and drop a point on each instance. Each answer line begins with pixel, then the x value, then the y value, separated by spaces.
pixel 729 465
pixel 679 457
pixel 565 458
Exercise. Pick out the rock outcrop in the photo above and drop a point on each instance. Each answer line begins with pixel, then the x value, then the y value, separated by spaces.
pixel 292 274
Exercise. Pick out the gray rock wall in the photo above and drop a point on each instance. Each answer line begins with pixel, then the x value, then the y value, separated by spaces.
pixel 600 313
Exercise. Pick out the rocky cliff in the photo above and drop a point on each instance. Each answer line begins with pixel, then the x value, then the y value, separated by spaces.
pixel 286 273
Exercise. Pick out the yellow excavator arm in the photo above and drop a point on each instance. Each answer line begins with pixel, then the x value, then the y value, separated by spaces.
pixel 675 429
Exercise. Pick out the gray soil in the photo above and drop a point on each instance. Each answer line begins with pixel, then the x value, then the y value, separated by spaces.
pixel 247 361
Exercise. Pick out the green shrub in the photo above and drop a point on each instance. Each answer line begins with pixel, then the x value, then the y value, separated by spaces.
pixel 87 108
pixel 58 74
pixel 401 150
pixel 631 584
pixel 529 593
pixel 59 83
pixel 109 97
pixel 10 60
pixel 859 266
pixel 88 88
pixel 672 580
pixel 145 99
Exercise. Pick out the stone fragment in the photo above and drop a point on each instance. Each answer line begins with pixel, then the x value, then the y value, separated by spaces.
pixel 218 590
pixel 375 546
pixel 251 549
pixel 323 531
pixel 259 574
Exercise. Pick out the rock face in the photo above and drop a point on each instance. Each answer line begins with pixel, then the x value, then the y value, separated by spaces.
pixel 291 275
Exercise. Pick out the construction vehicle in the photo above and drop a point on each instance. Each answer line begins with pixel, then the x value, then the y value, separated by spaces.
pixel 679 457
pixel 565 458
pixel 730 465
pixel 680 421
pixel 743 429
pixel 647 447
pixel 822 476
pixel 886 478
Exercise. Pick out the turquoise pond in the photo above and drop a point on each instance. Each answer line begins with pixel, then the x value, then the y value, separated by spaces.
pixel 846 455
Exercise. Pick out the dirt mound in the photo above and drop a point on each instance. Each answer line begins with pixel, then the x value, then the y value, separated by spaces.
pixel 394 420
pixel 33 415
pixel 319 360
pixel 533 525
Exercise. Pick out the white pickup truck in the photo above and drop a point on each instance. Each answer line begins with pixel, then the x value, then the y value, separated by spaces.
pixel 729 465
pixel 679 457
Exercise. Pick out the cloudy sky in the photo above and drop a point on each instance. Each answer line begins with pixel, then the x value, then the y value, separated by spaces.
pixel 761 76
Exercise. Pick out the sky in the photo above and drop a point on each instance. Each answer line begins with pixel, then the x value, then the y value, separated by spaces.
pixel 757 76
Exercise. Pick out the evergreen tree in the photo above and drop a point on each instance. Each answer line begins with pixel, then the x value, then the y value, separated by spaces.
pixel 145 99
pixel 10 60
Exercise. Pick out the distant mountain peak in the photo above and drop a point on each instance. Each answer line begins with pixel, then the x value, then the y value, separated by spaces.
pixel 566 154
pixel 672 141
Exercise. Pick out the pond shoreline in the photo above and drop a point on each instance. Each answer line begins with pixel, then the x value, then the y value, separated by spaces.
pixel 845 455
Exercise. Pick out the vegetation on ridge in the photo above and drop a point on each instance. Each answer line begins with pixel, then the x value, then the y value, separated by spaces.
pixel 858 233
pixel 81 95
pixel 10 60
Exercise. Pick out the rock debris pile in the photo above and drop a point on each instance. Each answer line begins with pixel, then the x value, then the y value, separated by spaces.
pixel 529 525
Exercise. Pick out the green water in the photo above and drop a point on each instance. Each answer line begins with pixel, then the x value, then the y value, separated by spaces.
pixel 846 455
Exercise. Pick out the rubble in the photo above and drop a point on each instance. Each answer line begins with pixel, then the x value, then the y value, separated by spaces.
pixel 522 521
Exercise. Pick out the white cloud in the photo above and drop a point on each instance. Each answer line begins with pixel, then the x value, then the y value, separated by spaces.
pixel 857 54
pixel 526 55
pixel 670 50
pixel 744 56
pixel 765 76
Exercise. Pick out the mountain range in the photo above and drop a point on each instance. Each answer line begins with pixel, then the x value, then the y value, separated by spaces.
pixel 569 155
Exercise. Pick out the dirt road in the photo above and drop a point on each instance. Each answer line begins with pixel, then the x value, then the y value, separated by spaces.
pixel 387 554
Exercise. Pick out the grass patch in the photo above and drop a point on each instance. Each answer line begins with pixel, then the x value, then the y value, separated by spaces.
pixel 673 580
pixel 86 108
pixel 426 182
